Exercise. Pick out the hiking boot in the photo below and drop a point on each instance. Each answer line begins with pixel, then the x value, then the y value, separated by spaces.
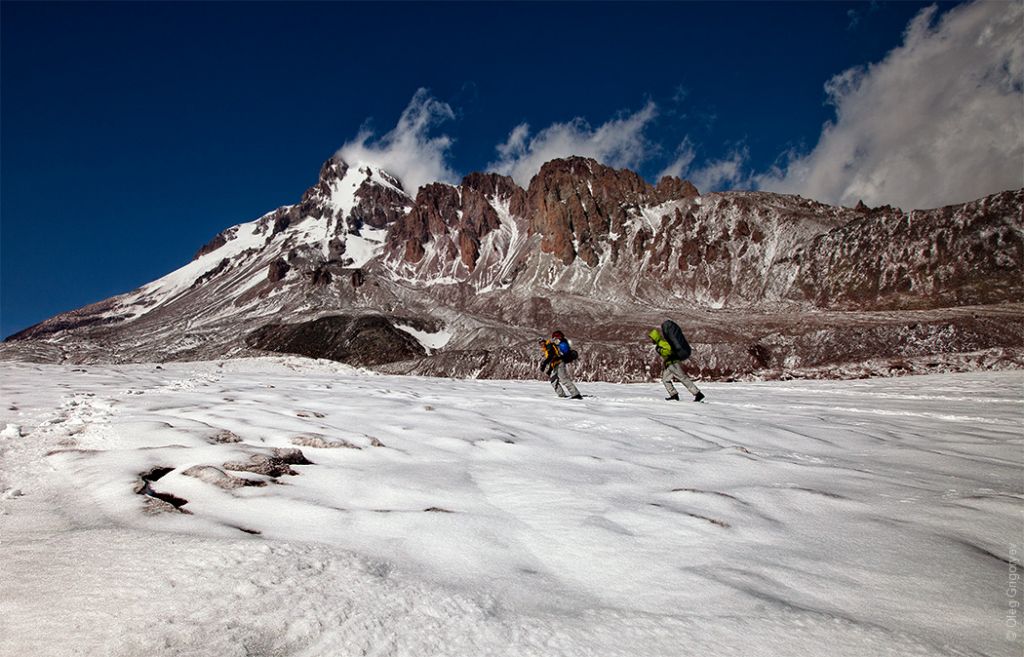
pixel 699 396
pixel 674 397
pixel 577 396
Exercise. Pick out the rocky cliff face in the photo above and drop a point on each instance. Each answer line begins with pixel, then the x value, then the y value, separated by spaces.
pixel 461 278
pixel 953 256
pixel 450 229
pixel 576 205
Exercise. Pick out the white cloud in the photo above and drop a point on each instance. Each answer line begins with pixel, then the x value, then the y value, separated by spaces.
pixel 680 167
pixel 729 172
pixel 940 120
pixel 619 143
pixel 408 151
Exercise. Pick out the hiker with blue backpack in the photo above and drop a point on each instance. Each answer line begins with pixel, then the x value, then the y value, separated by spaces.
pixel 673 349
pixel 558 352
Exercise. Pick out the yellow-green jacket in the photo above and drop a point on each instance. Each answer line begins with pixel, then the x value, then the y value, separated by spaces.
pixel 663 347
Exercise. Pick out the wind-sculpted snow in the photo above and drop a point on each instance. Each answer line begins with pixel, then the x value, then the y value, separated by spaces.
pixel 294 507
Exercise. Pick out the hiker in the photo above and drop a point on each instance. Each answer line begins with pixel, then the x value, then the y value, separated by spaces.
pixel 558 352
pixel 673 356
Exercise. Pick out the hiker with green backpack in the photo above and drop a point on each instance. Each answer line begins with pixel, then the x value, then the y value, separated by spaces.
pixel 673 349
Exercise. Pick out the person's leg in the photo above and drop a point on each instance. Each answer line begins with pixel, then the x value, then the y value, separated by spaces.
pixel 666 378
pixel 566 380
pixel 553 378
pixel 676 370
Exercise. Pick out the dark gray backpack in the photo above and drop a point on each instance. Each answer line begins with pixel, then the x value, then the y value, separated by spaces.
pixel 675 338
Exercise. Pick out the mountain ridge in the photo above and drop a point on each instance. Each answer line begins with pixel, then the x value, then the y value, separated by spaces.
pixel 584 247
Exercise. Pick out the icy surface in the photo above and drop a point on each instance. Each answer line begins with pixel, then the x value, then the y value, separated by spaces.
pixel 447 517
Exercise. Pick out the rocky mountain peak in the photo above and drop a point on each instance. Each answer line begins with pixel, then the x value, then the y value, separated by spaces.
pixel 671 188
pixel 380 200
pixel 334 168
pixel 498 188
pixel 454 219
pixel 576 203
pixel 435 209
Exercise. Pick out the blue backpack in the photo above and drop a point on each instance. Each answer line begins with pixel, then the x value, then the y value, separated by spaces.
pixel 566 351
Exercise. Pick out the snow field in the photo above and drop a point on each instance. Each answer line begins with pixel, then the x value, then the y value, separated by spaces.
pixel 450 517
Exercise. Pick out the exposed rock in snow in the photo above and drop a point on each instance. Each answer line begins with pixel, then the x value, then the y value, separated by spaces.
pixel 214 475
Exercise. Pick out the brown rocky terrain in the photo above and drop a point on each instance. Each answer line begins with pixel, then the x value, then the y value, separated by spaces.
pixel 460 279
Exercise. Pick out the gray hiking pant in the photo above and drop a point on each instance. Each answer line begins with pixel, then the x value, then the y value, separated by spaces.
pixel 559 376
pixel 675 371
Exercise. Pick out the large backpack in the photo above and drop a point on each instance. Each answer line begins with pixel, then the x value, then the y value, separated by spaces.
pixel 675 338
pixel 565 350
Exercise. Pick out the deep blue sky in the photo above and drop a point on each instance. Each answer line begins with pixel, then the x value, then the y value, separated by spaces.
pixel 134 132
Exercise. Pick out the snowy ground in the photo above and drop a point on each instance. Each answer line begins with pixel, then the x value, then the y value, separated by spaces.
pixel 471 518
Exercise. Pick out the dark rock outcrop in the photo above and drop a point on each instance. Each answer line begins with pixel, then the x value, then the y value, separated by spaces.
pixel 277 270
pixel 360 340
pixel 218 241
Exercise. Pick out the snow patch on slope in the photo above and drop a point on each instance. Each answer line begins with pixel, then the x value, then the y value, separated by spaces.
pixel 430 341
pixel 501 249
pixel 241 238
pixel 365 246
